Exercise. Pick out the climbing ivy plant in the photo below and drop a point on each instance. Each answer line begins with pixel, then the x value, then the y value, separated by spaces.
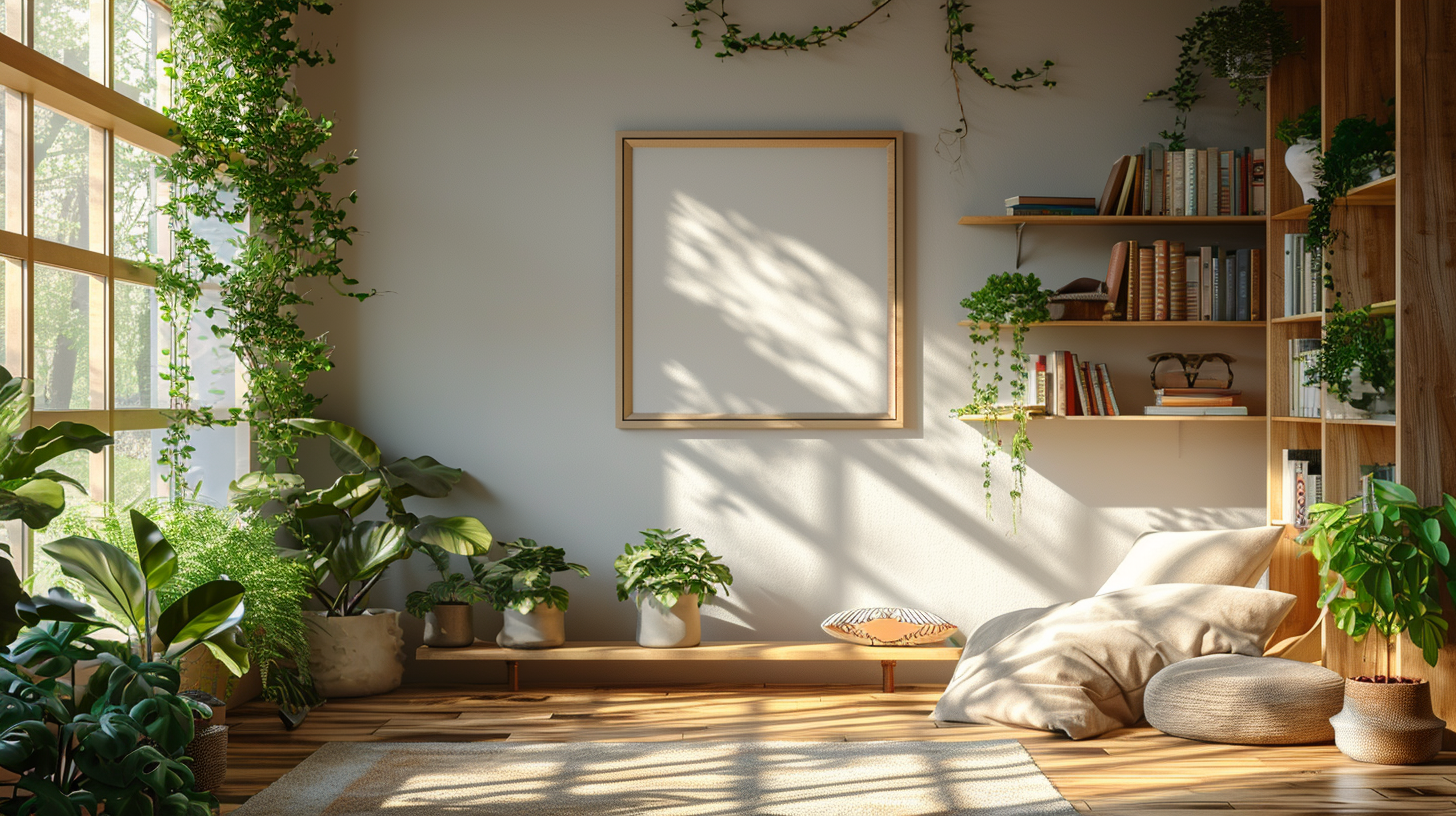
pixel 957 28
pixel 249 157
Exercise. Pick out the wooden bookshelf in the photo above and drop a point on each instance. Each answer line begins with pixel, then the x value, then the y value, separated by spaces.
pixel 1395 254
pixel 1124 418
pixel 1144 324
pixel 1112 220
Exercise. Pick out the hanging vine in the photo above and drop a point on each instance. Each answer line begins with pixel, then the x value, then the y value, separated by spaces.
pixel 249 157
pixel 957 27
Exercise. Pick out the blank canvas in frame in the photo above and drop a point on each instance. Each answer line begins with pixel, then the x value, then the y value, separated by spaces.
pixel 759 280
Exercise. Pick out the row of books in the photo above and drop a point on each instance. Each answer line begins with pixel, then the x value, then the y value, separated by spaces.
pixel 1205 181
pixel 1303 279
pixel 1196 402
pixel 1368 475
pixel 1304 399
pixel 1303 484
pixel 1167 282
pixel 1062 385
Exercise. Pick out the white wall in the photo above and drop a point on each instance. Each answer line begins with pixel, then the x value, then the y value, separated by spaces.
pixel 487 200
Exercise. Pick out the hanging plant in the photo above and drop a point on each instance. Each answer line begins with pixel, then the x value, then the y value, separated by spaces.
pixel 1355 339
pixel 1241 44
pixel 1015 300
pixel 1359 147
pixel 957 27
pixel 249 157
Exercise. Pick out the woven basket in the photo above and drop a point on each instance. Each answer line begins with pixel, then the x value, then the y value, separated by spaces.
pixel 1388 723
pixel 208 752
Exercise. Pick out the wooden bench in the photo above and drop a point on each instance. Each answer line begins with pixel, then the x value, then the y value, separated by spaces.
pixel 629 650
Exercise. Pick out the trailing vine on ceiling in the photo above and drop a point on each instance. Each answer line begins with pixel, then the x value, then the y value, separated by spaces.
pixel 249 157
pixel 957 28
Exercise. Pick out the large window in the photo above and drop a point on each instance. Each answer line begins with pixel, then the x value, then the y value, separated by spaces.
pixel 79 191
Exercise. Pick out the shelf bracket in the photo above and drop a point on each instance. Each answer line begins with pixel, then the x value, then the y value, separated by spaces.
pixel 1019 228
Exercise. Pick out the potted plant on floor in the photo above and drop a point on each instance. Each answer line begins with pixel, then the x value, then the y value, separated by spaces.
pixel 671 574
pixel 520 587
pixel 1302 134
pixel 356 650
pixel 1385 568
pixel 446 605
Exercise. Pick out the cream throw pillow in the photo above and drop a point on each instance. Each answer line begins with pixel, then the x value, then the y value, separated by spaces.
pixel 1080 667
pixel 1231 557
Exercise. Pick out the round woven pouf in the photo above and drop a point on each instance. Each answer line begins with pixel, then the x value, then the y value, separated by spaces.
pixel 1245 700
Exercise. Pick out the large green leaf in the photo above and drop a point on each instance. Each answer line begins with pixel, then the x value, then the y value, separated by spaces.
pixel 108 575
pixel 461 535
pixel 351 440
pixel 158 559
pixel 203 612
pixel 353 493
pixel 11 594
pixel 253 490
pixel 35 503
pixel 422 476
pixel 14 405
pixel 365 550
pixel 1393 492
pixel 166 719
pixel 227 648
pixel 52 648
pixel 40 445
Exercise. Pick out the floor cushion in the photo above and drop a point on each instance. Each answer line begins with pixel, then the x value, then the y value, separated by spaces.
pixel 1081 667
pixel 1231 557
pixel 1245 700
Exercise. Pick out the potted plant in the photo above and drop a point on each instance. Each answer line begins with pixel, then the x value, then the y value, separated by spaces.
pixel 1241 44
pixel 519 586
pixel 1009 299
pixel 1385 569
pixel 355 650
pixel 1361 150
pixel 445 605
pixel 1356 361
pixel 1302 134
pixel 670 574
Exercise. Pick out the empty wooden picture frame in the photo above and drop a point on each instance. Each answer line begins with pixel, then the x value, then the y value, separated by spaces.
pixel 760 280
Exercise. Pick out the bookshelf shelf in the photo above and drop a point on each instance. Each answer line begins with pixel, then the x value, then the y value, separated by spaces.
pixel 1377 193
pixel 1310 317
pixel 1369 423
pixel 1308 420
pixel 1144 324
pixel 1106 220
pixel 1126 418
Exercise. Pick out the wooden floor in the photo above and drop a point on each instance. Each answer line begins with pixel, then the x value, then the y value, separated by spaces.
pixel 1139 771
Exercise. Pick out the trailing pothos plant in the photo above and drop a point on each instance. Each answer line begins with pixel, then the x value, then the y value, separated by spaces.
pixel 1358 146
pixel 1355 339
pixel 1240 43
pixel 669 564
pixel 1304 127
pixel 957 27
pixel 248 156
pixel 1014 300
pixel 522 580
pixel 1385 568
pixel 323 528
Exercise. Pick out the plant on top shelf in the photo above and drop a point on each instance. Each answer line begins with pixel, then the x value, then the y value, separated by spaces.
pixel 1356 340
pixel 1009 299
pixel 671 574
pixel 1302 135
pixel 520 586
pixel 1360 148
pixel 1241 44
pixel 1385 569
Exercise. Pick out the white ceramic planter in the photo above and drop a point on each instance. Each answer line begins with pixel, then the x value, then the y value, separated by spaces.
pixel 450 626
pixel 660 627
pixel 1299 160
pixel 544 627
pixel 355 656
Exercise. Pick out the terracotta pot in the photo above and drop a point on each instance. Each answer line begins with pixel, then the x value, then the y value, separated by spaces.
pixel 543 627
pixel 1388 723
pixel 355 656
pixel 659 627
pixel 450 625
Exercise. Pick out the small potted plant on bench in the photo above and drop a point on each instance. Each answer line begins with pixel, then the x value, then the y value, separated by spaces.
pixel 519 586
pixel 671 574
pixel 445 605
pixel 1385 569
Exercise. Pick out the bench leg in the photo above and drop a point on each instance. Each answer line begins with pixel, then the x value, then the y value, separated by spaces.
pixel 887 679
pixel 513 675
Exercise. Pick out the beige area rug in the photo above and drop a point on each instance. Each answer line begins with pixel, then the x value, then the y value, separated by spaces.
pixel 664 779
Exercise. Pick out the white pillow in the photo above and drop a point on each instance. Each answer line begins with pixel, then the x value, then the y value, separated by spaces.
pixel 1080 667
pixel 1230 557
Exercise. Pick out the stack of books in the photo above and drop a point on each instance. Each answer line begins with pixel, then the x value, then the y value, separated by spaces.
pixel 1059 384
pixel 1169 281
pixel 1304 399
pixel 1050 205
pixel 1303 484
pixel 1303 279
pixel 1196 402
pixel 1368 475
pixel 1205 181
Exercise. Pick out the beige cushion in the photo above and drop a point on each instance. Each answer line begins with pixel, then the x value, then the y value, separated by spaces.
pixel 1081 667
pixel 1230 557
pixel 888 626
pixel 1245 700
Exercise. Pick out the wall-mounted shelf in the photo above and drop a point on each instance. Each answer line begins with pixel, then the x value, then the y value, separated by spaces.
pixel 1020 222
pixel 1377 193
pixel 1145 324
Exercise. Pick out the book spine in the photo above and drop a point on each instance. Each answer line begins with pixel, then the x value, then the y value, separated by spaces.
pixel 1190 182
pixel 1205 283
pixel 1147 274
pixel 1256 183
pixel 1177 281
pixel 1225 182
pixel 1158 156
pixel 1289 276
pixel 1069 374
pixel 1160 281
pixel 1241 307
pixel 1094 381
pixel 1084 399
pixel 1180 177
pixel 1193 288
pixel 1210 195
pixel 1147 199
pixel 1256 284
pixel 1203 182
pixel 1110 396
